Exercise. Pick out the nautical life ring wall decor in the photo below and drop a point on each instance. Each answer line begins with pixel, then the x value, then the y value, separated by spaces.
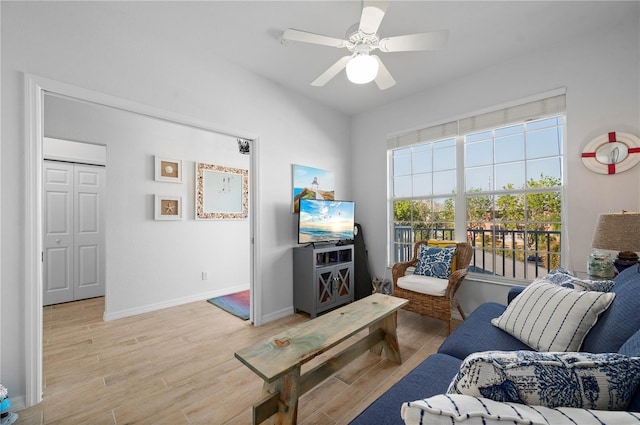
pixel 612 153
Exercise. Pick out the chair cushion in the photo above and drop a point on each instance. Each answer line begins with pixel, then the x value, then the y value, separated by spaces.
pixel 604 381
pixel 468 410
pixel 435 262
pixel 442 244
pixel 424 284
pixel 548 317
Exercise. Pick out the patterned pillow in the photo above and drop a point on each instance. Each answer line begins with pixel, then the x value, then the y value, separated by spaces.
pixel 548 317
pixel 435 262
pixel 561 277
pixel 604 381
pixel 449 409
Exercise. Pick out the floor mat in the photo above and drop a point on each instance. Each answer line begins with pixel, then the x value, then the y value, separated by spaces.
pixel 236 304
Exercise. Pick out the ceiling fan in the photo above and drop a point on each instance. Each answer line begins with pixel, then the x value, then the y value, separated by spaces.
pixel 361 40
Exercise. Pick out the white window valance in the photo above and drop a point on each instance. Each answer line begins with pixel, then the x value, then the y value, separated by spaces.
pixel 531 110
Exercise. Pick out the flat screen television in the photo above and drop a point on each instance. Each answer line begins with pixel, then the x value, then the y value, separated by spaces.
pixel 325 221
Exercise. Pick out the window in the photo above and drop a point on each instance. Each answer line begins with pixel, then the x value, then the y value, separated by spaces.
pixel 499 188
pixel 424 179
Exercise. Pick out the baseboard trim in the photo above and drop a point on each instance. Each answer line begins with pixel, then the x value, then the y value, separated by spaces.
pixel 120 314
pixel 17 403
pixel 277 315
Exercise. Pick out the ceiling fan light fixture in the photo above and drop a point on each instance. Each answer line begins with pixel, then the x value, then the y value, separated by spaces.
pixel 362 68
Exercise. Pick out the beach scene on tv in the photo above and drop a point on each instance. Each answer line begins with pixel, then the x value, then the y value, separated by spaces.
pixel 325 221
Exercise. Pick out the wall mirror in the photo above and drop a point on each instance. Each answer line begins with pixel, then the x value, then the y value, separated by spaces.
pixel 612 153
pixel 221 192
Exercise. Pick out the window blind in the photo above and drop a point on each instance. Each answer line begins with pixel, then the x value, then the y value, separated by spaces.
pixel 540 108
pixel 441 131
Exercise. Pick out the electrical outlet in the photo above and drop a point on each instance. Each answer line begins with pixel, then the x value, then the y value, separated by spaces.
pixel 204 275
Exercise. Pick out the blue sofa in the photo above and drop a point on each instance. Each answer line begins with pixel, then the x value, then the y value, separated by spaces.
pixel 618 325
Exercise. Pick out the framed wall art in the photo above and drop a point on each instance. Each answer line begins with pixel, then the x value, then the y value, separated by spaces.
pixel 168 207
pixel 168 170
pixel 311 183
pixel 222 193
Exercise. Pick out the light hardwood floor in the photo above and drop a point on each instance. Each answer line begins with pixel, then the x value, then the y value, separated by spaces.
pixel 176 366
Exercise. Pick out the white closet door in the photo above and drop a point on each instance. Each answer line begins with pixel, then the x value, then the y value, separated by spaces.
pixel 73 232
pixel 89 244
pixel 58 232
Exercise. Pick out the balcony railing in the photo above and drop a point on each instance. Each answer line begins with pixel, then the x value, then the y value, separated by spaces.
pixel 508 253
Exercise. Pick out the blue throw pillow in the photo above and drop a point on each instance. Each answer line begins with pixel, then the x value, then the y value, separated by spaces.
pixel 435 262
pixel 604 381
pixel 631 347
pixel 563 278
pixel 621 320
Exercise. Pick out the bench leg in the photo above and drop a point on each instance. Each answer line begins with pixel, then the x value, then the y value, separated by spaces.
pixel 390 342
pixel 288 388
pixel 377 348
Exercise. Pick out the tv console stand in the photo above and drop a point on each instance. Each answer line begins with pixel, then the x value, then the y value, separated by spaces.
pixel 322 278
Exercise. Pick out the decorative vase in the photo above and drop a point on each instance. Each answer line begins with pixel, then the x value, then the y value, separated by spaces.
pixel 600 265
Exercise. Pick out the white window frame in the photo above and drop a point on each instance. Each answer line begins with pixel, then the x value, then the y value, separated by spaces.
pixel 540 106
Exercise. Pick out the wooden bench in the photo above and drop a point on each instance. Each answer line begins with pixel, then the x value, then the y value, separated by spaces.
pixel 278 359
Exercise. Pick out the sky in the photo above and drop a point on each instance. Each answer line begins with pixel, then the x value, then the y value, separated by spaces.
pixel 493 159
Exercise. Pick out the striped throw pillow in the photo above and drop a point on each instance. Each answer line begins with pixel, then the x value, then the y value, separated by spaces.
pixel 459 409
pixel 548 317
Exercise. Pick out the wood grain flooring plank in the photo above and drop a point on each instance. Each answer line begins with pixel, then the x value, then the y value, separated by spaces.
pixel 177 366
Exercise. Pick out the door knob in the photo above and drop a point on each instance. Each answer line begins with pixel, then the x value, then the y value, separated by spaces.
pixel 58 240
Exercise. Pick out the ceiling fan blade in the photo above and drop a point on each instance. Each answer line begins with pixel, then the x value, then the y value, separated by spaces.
pixel 384 80
pixel 331 72
pixel 309 37
pixel 433 40
pixel 372 14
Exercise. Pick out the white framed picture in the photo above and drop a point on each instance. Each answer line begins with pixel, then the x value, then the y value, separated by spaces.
pixel 168 207
pixel 222 193
pixel 168 170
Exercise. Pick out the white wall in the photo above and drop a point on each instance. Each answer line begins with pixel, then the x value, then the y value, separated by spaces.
pixel 167 268
pixel 601 75
pixel 54 40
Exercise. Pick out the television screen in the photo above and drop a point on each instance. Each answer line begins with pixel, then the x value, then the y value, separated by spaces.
pixel 325 221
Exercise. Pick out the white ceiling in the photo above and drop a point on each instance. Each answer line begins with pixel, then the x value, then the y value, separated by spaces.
pixel 248 33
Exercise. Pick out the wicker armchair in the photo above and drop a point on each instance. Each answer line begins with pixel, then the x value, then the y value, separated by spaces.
pixel 438 307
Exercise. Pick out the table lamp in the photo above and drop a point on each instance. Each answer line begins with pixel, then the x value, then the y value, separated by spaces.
pixel 615 232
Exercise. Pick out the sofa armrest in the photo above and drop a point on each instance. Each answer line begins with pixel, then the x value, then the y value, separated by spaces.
pixel 514 292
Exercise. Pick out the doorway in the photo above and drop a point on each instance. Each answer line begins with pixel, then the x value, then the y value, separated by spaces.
pixel 37 89
pixel 73 229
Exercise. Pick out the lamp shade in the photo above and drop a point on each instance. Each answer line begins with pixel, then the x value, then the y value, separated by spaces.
pixel 362 69
pixel 618 232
